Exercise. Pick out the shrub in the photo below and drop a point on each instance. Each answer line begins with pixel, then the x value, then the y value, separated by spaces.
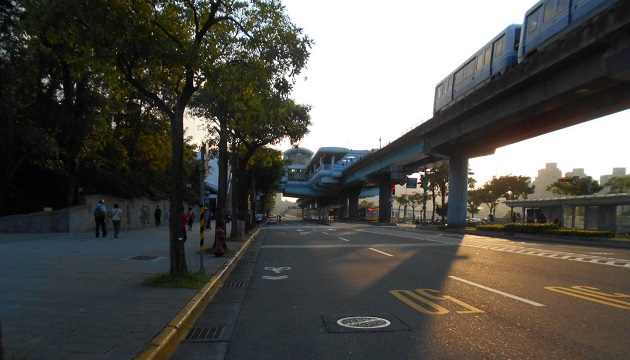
pixel 546 228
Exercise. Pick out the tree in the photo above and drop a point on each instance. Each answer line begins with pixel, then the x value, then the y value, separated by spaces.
pixel 415 200
pixel 248 112
pixel 168 49
pixel 402 200
pixel 68 122
pixel 266 169
pixel 365 204
pixel 570 189
pixel 619 184
pixel 505 187
pixel 438 183
pixel 475 199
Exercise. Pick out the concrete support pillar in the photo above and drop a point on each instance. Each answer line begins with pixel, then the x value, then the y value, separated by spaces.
pixel 458 192
pixel 353 202
pixel 343 201
pixel 385 201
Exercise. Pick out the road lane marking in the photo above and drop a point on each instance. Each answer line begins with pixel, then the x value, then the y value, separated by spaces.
pixel 378 251
pixel 344 239
pixel 497 291
pixel 592 294
pixel 421 299
pixel 473 241
pixel 282 277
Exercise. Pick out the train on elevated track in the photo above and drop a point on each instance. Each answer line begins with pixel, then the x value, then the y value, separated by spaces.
pixel 542 23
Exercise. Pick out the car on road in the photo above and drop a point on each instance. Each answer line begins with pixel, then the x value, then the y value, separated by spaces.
pixel 474 221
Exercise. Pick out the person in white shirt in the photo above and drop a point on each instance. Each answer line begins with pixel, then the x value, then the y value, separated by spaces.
pixel 116 220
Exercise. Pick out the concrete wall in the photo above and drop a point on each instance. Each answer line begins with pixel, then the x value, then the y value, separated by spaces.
pixel 136 213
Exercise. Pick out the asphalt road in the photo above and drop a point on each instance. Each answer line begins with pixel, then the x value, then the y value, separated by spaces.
pixel 352 291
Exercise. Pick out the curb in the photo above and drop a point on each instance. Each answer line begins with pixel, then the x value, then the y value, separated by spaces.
pixel 166 341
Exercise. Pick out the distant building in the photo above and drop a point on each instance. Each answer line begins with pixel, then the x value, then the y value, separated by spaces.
pixel 617 172
pixel 551 174
pixel 546 177
pixel 575 172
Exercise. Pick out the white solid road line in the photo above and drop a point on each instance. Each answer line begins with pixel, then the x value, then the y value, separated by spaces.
pixel 378 251
pixel 497 291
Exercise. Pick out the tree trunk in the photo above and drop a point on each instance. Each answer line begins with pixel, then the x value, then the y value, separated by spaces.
pixel 176 228
pixel 236 216
pixel 223 174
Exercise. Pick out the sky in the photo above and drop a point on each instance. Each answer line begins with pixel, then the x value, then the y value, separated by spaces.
pixel 373 69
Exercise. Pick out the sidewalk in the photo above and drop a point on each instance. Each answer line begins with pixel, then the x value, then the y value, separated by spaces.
pixel 74 296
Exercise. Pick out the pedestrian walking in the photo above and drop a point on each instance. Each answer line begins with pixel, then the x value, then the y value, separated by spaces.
pixel 116 220
pixel 99 218
pixel 158 215
pixel 184 223
pixel 190 218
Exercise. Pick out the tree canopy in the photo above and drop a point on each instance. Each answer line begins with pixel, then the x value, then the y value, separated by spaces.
pixel 92 65
pixel 585 186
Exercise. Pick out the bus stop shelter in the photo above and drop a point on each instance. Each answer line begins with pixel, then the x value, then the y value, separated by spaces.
pixel 600 211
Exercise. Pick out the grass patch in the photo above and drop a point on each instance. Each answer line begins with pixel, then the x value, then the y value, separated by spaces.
pixel 193 280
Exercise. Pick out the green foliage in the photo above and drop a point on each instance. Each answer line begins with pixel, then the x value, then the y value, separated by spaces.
pixel 94 91
pixel 570 189
pixel 365 204
pixel 619 184
pixel 508 187
pixel 546 229
pixel 530 228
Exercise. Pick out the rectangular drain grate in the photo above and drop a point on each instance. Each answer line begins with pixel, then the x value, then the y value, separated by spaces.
pixel 204 334
pixel 245 263
pixel 233 284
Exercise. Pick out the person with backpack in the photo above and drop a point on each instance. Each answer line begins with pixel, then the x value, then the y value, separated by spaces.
pixel 99 218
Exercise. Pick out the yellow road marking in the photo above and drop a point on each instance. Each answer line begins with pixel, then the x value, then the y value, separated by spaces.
pixel 592 294
pixel 423 296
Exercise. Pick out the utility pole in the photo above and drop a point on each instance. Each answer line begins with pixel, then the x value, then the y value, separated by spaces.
pixel 202 207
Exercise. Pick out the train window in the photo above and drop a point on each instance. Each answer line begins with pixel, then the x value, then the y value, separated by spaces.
pixel 550 10
pixel 459 76
pixel 563 5
pixel 488 55
pixel 480 62
pixel 498 46
pixel 438 92
pixel 469 69
pixel 517 39
pixel 532 21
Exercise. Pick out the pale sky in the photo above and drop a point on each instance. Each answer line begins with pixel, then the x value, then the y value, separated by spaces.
pixel 374 66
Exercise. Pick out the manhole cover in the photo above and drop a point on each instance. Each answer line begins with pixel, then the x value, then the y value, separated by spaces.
pixel 364 322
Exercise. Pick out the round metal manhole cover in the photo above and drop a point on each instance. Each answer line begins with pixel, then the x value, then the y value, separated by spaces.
pixel 363 322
